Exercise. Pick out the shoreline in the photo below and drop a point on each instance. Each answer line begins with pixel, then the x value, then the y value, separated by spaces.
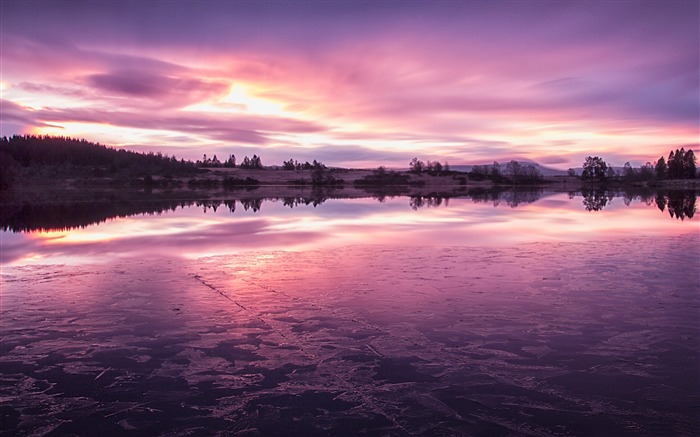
pixel 270 183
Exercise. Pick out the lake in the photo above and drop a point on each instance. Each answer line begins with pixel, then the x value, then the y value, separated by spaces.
pixel 496 313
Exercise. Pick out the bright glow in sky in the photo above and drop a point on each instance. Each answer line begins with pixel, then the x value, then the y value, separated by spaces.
pixel 358 83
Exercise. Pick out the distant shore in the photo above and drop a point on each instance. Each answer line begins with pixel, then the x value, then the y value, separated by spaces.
pixel 278 183
pixel 34 168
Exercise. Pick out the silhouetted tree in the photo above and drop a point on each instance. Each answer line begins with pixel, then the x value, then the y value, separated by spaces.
pixel 661 168
pixel 495 170
pixel 595 169
pixel 416 166
pixel 628 172
pixel 479 172
pixel 434 168
pixel 646 172
pixel 689 165
pixel 513 169
pixel 675 164
pixel 522 174
pixel 611 173
pixel 231 161
pixel 682 164
pixel 251 163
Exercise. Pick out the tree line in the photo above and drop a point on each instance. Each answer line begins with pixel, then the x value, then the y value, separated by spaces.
pixel 72 156
pixel 256 163
pixel 433 168
pixel 249 163
pixel 514 172
pixel 30 150
pixel 681 164
pixel 79 157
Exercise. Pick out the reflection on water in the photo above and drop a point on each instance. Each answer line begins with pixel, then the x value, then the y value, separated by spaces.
pixel 498 313
pixel 595 200
pixel 80 231
pixel 27 217
pixel 681 204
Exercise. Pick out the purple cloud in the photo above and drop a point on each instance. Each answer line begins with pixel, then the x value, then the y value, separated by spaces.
pixel 165 90
pixel 222 127
pixel 406 74
pixel 15 118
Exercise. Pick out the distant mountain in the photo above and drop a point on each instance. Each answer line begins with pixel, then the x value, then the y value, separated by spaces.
pixel 546 171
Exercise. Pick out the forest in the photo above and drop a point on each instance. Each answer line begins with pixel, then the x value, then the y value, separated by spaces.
pixel 64 156
pixel 681 164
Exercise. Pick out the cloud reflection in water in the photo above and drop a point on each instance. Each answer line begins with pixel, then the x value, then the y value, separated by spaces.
pixel 193 231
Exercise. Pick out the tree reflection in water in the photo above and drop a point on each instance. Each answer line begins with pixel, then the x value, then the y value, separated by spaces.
pixel 681 204
pixel 596 200
pixel 28 216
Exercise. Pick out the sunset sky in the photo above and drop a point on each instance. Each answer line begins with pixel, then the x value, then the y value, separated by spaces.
pixel 361 83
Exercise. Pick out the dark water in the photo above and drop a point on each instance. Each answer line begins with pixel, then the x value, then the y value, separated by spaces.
pixel 357 318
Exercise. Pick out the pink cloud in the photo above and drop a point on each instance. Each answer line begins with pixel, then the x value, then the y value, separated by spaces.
pixel 458 79
pixel 223 127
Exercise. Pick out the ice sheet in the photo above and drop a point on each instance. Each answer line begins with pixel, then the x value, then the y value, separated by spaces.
pixel 536 339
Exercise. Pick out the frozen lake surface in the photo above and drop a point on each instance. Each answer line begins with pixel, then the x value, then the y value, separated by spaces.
pixel 356 318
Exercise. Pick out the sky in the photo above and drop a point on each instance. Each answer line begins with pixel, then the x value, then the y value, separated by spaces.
pixel 360 83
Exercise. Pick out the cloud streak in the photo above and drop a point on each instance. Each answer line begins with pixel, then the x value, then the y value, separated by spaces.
pixel 457 80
